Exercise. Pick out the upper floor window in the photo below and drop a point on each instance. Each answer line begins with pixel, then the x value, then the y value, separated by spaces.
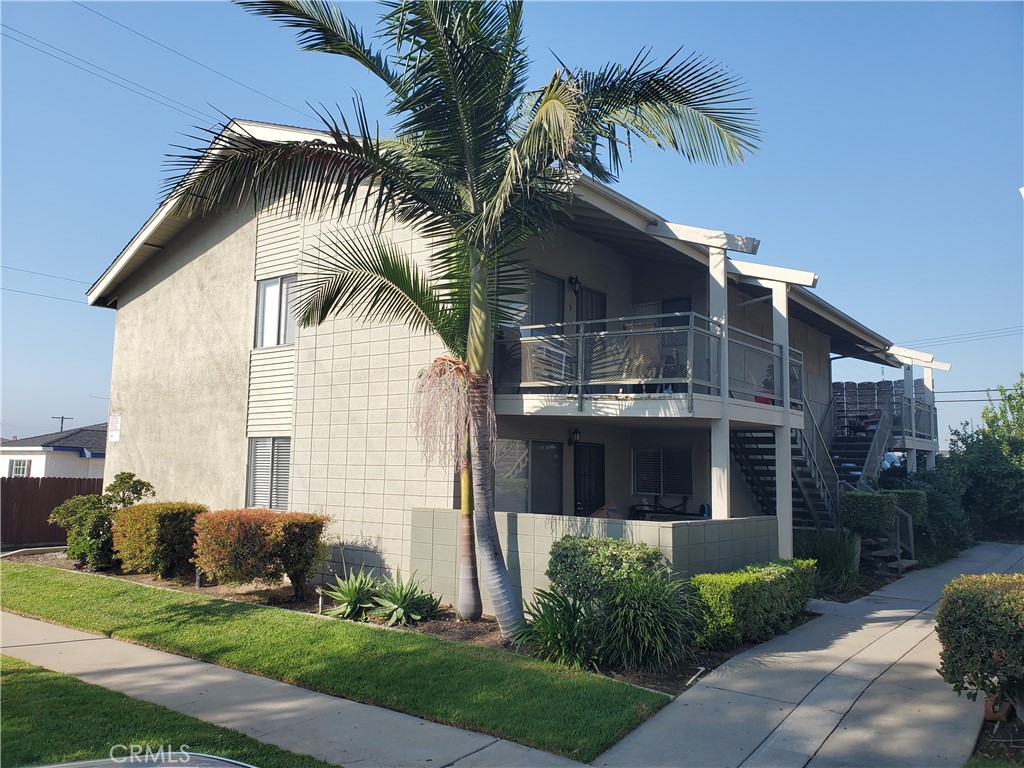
pixel 275 311
pixel 19 468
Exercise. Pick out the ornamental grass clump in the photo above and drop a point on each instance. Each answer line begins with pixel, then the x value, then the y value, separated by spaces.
pixel 361 596
pixel 559 628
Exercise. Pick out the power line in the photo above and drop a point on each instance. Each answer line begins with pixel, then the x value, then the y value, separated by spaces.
pixel 43 274
pixel 978 338
pixel 101 69
pixel 961 391
pixel 1011 328
pixel 101 77
pixel 979 400
pixel 189 58
pixel 43 295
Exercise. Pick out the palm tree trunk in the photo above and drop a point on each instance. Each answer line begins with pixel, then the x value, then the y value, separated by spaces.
pixel 469 604
pixel 506 603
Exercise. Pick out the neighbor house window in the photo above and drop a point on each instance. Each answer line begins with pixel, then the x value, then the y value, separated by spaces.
pixel 19 468
pixel 663 471
pixel 268 472
pixel 275 311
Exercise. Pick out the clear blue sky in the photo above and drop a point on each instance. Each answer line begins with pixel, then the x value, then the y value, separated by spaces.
pixel 890 165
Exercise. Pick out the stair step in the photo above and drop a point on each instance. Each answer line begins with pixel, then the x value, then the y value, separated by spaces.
pixel 881 553
pixel 901 564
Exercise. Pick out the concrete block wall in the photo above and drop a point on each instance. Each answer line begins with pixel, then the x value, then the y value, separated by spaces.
pixel 691 546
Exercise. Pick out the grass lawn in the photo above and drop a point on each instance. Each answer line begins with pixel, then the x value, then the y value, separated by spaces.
pixel 542 705
pixel 48 717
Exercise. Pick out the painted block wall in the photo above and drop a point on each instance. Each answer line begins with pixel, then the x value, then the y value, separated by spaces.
pixel 699 546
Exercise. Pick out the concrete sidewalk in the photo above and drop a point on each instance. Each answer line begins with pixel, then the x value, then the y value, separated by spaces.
pixel 855 687
pixel 331 729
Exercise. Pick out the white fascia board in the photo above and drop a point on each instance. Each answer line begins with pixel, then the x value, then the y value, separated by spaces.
pixel 748 269
pixel 259 131
pixel 916 357
pixel 714 238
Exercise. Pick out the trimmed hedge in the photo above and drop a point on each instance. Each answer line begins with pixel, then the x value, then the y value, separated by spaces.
pixel 589 569
pixel 240 546
pixel 863 512
pixel 299 545
pixel 980 623
pixel 88 521
pixel 157 537
pixel 913 501
pixel 754 603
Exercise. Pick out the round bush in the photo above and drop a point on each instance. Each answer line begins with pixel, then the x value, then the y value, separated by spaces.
pixel 236 546
pixel 157 538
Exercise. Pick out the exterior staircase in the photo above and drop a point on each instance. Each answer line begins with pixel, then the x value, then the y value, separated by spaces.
pixel 754 451
pixel 849 453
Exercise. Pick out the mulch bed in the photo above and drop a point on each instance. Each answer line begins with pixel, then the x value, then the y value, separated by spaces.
pixel 1002 741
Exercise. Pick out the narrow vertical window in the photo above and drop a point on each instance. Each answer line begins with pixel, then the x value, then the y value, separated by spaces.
pixel 19 468
pixel 275 311
pixel 269 459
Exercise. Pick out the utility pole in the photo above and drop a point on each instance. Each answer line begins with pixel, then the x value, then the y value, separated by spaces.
pixel 62 420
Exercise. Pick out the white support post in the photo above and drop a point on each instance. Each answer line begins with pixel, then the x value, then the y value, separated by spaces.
pixel 718 310
pixel 909 435
pixel 929 385
pixel 783 433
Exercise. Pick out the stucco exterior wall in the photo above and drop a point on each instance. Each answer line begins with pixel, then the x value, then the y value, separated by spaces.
pixel 182 339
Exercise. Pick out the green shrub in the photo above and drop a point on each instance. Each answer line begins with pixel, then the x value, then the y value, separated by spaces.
pixel 404 602
pixel 647 622
pixel 947 531
pixel 913 501
pixel 863 512
pixel 980 623
pixel 834 552
pixel 354 596
pixel 157 538
pixel 89 525
pixel 588 569
pixel 298 543
pixel 88 520
pixel 236 546
pixel 559 628
pixel 754 603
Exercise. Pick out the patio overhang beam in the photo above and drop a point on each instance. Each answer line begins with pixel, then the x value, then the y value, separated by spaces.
pixel 758 274
pixel 916 357
pixel 711 238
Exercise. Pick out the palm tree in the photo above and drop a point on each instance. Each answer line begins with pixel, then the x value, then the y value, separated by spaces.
pixel 478 164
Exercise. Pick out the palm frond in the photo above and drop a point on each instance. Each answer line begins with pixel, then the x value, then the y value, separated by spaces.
pixel 323 29
pixel 694 106
pixel 360 272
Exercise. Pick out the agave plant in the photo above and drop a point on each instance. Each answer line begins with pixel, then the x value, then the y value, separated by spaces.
pixel 354 597
pixel 404 602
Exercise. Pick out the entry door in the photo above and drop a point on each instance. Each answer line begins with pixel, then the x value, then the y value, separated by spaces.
pixel 592 305
pixel 588 477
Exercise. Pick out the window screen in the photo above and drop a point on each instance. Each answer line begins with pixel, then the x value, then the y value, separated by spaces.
pixel 663 471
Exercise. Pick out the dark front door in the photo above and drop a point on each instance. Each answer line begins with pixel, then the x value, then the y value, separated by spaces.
pixel 588 478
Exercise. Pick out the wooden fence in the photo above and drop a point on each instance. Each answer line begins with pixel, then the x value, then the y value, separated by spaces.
pixel 26 502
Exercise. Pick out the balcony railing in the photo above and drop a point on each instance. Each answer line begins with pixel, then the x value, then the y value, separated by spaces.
pixel 650 354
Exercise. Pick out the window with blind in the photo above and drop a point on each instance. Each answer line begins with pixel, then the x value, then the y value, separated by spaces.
pixel 275 311
pixel 663 471
pixel 269 459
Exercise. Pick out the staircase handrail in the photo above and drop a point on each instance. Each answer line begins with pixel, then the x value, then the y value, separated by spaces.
pixel 879 443
pixel 827 427
pixel 819 461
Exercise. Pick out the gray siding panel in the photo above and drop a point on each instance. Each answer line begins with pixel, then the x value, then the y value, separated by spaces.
pixel 271 391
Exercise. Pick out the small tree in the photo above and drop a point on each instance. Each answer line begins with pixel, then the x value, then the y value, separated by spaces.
pixel 126 489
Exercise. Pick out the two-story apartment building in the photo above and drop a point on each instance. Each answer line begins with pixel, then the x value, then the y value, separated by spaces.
pixel 655 372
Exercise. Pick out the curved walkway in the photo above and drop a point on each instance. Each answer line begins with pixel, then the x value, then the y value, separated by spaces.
pixel 855 687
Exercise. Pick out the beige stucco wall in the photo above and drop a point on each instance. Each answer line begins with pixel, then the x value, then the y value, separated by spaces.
pixel 690 547
pixel 182 339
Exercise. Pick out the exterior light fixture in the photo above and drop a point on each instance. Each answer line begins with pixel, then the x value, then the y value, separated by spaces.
pixel 574 283
pixel 574 437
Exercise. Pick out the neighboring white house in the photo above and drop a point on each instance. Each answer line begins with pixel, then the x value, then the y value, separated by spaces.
pixel 650 371
pixel 75 452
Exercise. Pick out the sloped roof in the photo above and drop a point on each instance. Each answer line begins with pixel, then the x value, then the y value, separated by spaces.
pixel 91 439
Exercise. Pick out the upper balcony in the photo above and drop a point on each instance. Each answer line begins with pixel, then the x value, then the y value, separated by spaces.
pixel 664 364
